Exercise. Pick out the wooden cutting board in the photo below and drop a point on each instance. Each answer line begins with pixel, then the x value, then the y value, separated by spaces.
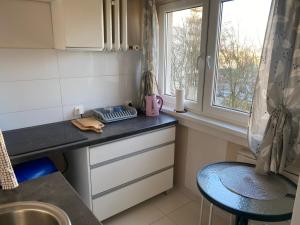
pixel 88 124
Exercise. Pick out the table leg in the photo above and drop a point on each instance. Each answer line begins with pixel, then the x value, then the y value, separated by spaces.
pixel 211 208
pixel 239 220
pixel 232 219
pixel 201 211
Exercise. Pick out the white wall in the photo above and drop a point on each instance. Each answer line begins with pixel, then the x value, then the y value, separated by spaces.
pixel 194 150
pixel 40 86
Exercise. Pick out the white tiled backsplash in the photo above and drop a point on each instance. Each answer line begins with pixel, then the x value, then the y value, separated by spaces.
pixel 40 86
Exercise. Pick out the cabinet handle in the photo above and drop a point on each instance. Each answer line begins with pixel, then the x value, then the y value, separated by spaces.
pixel 208 62
pixel 198 62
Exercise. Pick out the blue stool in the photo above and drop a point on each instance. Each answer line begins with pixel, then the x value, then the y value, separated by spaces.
pixel 34 169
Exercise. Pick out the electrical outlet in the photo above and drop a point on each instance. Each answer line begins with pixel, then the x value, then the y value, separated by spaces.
pixel 78 110
pixel 128 102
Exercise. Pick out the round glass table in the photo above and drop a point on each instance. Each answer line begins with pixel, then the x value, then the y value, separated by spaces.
pixel 214 184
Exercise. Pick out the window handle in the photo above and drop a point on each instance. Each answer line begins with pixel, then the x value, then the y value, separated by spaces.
pixel 208 61
pixel 198 61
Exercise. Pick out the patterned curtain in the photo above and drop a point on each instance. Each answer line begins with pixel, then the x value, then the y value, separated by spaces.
pixel 8 178
pixel 274 129
pixel 148 83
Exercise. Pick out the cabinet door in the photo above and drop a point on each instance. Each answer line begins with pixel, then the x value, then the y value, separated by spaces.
pixel 84 23
pixel 133 194
pixel 102 153
pixel 123 171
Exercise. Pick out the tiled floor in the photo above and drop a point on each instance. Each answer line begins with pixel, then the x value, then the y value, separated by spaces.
pixel 175 208
pixel 172 209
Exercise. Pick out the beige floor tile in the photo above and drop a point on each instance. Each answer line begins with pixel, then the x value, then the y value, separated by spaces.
pixel 219 220
pixel 163 221
pixel 142 214
pixel 171 201
pixel 219 217
pixel 279 223
pixel 269 223
pixel 186 215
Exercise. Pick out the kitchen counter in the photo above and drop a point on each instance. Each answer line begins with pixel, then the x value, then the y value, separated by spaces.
pixel 56 190
pixel 35 141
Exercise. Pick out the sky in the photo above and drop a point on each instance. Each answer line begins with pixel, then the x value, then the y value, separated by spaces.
pixel 249 16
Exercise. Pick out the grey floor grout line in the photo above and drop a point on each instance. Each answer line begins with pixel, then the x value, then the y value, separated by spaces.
pixel 161 218
pixel 158 219
pixel 166 214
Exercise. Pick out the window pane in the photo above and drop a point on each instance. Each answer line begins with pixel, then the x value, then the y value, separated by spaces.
pixel 241 40
pixel 183 38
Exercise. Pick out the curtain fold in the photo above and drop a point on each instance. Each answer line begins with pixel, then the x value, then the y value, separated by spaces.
pixel 148 84
pixel 8 178
pixel 274 128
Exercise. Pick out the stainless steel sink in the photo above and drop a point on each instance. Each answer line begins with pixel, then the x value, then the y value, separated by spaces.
pixel 32 213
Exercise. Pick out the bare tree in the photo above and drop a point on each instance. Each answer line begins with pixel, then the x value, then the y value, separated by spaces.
pixel 185 49
pixel 238 62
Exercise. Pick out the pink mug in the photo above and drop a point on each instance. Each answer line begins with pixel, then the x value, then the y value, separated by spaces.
pixel 154 104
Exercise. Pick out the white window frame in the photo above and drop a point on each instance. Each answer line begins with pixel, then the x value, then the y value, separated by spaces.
pixel 218 112
pixel 211 27
pixel 171 7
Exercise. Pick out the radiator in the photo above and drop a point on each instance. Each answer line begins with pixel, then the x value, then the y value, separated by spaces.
pixel 115 12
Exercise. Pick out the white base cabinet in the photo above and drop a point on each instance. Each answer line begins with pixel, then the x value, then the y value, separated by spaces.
pixel 124 198
pixel 115 176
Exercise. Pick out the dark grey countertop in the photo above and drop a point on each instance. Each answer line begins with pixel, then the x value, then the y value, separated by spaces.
pixel 62 136
pixel 56 190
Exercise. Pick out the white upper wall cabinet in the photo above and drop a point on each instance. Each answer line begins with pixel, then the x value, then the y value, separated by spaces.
pixel 70 24
pixel 25 24
pixel 78 24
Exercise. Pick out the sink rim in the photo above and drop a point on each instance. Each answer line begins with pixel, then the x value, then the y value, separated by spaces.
pixel 42 207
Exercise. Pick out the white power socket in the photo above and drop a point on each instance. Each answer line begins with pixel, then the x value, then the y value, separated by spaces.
pixel 78 110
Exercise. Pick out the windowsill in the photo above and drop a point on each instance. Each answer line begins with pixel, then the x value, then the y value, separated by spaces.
pixel 218 128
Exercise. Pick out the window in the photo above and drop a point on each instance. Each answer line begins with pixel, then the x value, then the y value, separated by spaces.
pixel 243 25
pixel 217 65
pixel 183 49
pixel 183 31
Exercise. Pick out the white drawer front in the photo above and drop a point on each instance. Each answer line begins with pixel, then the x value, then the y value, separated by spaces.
pixel 117 173
pixel 117 201
pixel 127 146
